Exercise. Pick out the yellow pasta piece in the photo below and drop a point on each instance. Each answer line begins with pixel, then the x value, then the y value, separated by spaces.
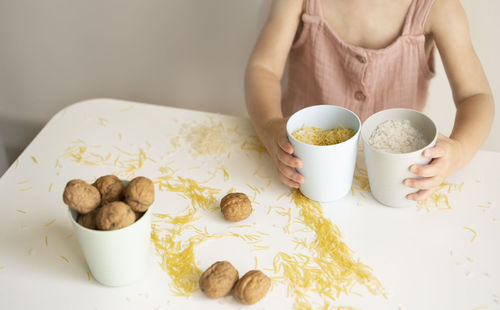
pixel 50 223
pixel 473 231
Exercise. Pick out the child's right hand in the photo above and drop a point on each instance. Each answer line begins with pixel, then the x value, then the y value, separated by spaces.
pixel 281 151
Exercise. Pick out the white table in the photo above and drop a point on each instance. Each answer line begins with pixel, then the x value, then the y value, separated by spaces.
pixel 434 256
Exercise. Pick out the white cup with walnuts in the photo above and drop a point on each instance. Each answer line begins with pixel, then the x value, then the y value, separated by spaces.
pixel 112 222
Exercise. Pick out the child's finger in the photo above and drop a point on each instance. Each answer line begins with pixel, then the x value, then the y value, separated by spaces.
pixel 421 194
pixel 429 170
pixel 422 183
pixel 290 173
pixel 285 144
pixel 434 152
pixel 287 181
pixel 289 160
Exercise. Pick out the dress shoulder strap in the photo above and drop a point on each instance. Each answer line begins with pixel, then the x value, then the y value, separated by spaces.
pixel 313 7
pixel 416 17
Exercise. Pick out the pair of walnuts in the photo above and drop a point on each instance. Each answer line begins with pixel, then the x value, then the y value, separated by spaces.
pixel 220 278
pixel 107 204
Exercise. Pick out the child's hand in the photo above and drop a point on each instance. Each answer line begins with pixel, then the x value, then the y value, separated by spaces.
pixel 276 141
pixel 444 158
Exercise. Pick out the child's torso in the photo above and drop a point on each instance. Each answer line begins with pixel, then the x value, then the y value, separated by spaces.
pixel 350 49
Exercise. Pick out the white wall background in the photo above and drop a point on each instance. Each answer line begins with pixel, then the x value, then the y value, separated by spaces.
pixel 184 53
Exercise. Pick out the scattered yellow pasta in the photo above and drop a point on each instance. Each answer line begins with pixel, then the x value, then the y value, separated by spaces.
pixel 34 159
pixel 178 262
pixel 331 270
pixel 64 258
pixel 253 143
pixel 360 182
pixel 201 196
pixel 439 199
pixel 208 138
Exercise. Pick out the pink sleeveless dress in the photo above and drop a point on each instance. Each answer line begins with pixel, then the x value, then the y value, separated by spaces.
pixel 323 69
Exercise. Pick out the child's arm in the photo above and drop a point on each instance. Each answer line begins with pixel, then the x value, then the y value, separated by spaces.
pixel 263 90
pixel 472 95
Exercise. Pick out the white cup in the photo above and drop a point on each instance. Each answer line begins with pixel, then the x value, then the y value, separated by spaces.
pixel 327 169
pixel 116 257
pixel 387 171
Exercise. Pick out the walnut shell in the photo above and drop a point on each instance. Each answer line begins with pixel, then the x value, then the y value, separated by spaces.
pixel 236 207
pixel 252 287
pixel 114 215
pixel 138 215
pixel 81 196
pixel 140 194
pixel 218 280
pixel 110 187
pixel 88 220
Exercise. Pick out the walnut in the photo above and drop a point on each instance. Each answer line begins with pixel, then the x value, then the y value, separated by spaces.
pixel 236 207
pixel 114 215
pixel 88 220
pixel 140 194
pixel 138 215
pixel 252 287
pixel 110 187
pixel 81 196
pixel 218 280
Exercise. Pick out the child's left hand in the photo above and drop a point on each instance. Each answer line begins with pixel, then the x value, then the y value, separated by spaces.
pixel 445 158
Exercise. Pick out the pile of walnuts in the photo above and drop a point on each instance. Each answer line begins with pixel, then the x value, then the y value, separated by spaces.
pixel 221 278
pixel 107 204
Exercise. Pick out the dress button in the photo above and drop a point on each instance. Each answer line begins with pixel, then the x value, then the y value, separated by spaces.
pixel 361 59
pixel 359 95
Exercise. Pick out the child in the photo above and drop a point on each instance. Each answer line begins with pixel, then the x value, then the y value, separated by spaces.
pixel 367 55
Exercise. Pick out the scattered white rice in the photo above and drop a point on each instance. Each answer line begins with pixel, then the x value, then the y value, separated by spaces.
pixel 397 136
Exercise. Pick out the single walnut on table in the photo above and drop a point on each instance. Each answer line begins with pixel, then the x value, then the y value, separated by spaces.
pixel 81 196
pixel 140 194
pixel 114 215
pixel 236 207
pixel 252 287
pixel 110 187
pixel 218 280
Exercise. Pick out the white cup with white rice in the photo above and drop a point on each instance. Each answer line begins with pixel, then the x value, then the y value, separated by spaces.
pixel 328 170
pixel 394 140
